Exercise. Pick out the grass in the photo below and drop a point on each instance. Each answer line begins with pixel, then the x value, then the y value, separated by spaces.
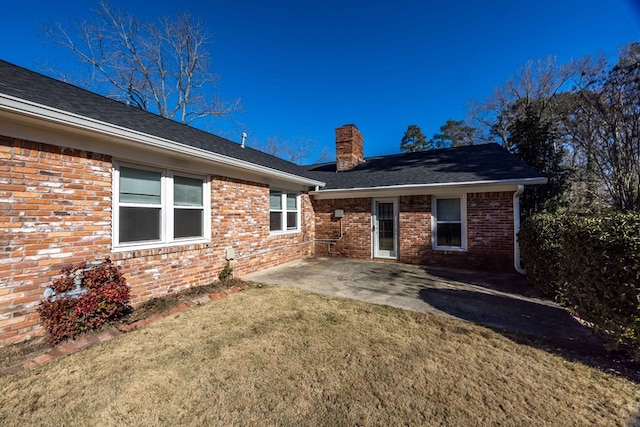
pixel 278 356
pixel 23 351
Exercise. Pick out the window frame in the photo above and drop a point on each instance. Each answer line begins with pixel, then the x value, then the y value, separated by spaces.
pixel 284 211
pixel 463 223
pixel 167 208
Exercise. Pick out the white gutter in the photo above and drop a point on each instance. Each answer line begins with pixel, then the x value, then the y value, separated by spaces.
pixel 54 115
pixel 443 185
pixel 516 230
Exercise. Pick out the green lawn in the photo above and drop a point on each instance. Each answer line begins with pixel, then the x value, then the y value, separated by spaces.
pixel 278 356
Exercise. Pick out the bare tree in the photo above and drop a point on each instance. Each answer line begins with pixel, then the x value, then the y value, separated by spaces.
pixel 606 125
pixel 161 67
pixel 297 150
pixel 537 82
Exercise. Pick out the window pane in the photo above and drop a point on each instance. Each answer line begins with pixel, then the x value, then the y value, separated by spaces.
pixel 137 224
pixel 448 209
pixel 385 211
pixel 275 200
pixel 292 202
pixel 187 191
pixel 275 221
pixel 449 235
pixel 187 223
pixel 292 220
pixel 139 186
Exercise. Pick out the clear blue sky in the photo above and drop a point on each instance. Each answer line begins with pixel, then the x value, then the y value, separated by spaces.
pixel 303 68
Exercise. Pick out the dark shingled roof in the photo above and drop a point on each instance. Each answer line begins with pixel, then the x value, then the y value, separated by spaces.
pixel 31 86
pixel 485 162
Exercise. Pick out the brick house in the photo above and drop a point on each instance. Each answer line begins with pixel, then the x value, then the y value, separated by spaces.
pixel 456 207
pixel 83 177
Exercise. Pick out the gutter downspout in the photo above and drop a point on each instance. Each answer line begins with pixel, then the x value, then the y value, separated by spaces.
pixel 516 229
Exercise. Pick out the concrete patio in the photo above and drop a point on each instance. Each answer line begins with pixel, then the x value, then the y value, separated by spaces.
pixel 497 300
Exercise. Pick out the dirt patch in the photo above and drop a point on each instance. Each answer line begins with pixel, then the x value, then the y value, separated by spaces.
pixel 23 351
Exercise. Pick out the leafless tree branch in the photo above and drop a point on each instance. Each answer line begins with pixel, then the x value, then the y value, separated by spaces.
pixel 161 67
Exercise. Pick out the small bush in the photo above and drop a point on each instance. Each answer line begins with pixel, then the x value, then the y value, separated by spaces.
pixel 590 264
pixel 104 297
pixel 226 273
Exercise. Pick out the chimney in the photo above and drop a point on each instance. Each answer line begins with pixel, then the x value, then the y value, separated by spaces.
pixel 349 149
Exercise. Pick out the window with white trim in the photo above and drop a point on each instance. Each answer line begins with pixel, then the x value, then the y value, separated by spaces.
pixel 449 223
pixel 284 211
pixel 156 207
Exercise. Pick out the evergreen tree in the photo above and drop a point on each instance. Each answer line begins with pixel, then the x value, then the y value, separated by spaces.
pixel 454 133
pixel 414 140
pixel 534 141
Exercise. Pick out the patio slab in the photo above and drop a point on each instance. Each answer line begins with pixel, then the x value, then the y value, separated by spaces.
pixel 499 301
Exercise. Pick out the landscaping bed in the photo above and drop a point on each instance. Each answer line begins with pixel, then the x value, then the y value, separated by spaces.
pixel 24 351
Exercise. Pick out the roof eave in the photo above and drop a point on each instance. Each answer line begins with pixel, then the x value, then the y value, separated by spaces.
pixel 446 187
pixel 50 114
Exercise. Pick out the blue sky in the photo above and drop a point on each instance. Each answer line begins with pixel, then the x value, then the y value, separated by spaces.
pixel 303 68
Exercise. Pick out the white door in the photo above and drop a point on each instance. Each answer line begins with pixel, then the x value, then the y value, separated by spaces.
pixel 385 226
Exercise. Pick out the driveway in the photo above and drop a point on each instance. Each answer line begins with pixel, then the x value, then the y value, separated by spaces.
pixel 503 302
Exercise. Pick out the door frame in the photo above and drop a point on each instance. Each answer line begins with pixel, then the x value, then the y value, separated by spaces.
pixel 375 251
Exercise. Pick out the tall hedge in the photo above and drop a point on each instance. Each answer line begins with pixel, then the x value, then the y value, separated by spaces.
pixel 590 264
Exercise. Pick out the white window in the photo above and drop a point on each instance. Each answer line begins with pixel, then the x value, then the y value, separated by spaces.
pixel 284 211
pixel 449 223
pixel 158 207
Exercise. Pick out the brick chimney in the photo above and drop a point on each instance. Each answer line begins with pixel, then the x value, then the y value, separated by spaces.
pixel 349 149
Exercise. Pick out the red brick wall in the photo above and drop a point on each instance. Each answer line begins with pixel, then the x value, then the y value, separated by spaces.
pixel 55 208
pixel 237 222
pixel 414 229
pixel 356 228
pixel 240 219
pixel 489 231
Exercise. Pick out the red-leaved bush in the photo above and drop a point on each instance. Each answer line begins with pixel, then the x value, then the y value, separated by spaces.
pixel 105 297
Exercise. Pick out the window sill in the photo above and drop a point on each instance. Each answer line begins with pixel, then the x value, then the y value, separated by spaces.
pixel 283 233
pixel 449 249
pixel 155 245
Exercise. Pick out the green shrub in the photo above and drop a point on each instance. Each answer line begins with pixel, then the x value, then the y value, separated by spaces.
pixel 226 273
pixel 540 240
pixel 590 264
pixel 102 296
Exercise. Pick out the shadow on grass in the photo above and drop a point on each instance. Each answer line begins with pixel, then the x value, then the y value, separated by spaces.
pixel 530 321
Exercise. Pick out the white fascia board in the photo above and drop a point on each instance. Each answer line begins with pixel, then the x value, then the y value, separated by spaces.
pixel 43 112
pixel 415 189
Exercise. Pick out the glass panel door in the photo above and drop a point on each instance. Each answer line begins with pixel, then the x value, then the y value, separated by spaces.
pixel 385 229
